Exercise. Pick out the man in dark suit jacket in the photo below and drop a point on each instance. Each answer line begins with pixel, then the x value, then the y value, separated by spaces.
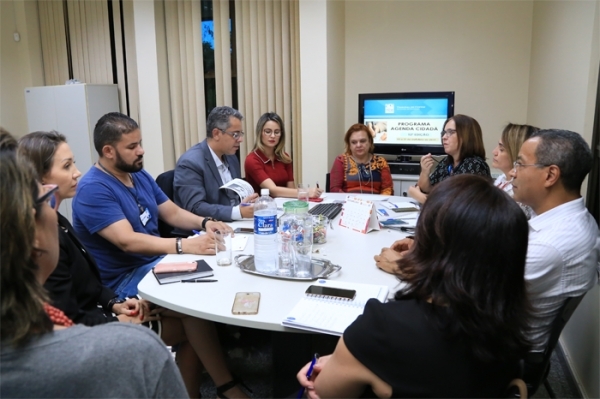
pixel 208 165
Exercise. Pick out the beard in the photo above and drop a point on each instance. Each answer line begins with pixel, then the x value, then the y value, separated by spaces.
pixel 129 168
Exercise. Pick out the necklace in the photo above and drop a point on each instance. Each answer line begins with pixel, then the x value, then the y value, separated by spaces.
pixel 57 316
pixel 363 166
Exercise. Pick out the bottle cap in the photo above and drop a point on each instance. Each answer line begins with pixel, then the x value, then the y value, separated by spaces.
pixel 264 191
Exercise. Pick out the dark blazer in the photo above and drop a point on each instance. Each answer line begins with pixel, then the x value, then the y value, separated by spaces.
pixel 197 182
pixel 75 286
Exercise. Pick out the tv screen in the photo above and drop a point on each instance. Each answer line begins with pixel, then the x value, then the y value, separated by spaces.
pixel 406 123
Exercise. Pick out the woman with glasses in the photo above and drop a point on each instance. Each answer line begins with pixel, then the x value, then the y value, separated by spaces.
pixel 358 170
pixel 463 144
pixel 268 165
pixel 42 353
pixel 76 289
pixel 459 326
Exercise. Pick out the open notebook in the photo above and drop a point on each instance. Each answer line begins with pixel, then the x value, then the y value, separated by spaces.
pixel 330 315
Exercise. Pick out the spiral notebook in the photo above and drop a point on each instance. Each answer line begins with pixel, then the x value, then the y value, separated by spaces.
pixel 330 315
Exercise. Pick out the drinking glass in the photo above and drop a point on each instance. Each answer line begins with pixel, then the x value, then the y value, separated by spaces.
pixel 223 248
pixel 303 192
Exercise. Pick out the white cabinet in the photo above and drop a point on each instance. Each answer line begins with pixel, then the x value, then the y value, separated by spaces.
pixel 403 182
pixel 72 110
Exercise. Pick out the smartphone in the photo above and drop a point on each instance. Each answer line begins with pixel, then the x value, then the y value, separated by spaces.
pixel 246 303
pixel 244 230
pixel 330 291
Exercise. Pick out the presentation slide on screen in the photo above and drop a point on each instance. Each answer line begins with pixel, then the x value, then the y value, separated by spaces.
pixel 407 121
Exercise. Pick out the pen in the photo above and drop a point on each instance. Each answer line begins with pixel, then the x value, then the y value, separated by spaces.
pixel 318 185
pixel 196 232
pixel 309 373
pixel 245 204
pixel 407 229
pixel 199 281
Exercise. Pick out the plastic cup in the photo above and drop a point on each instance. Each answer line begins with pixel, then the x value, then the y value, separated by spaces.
pixel 303 192
pixel 223 248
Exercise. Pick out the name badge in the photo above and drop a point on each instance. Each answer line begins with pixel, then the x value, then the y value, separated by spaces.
pixel 144 217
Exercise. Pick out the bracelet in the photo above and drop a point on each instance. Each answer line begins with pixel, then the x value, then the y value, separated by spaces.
pixel 206 219
pixel 178 246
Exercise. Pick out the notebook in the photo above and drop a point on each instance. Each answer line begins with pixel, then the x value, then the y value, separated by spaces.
pixel 202 270
pixel 330 315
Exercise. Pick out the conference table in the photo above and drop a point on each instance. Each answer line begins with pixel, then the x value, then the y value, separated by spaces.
pixel 352 250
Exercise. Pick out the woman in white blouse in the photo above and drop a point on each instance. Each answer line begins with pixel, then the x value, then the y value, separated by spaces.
pixel 505 155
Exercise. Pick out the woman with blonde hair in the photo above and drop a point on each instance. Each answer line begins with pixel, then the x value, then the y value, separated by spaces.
pixel 42 353
pixel 268 165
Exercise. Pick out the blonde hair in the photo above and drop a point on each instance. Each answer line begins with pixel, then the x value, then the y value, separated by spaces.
pixel 280 148
pixel 513 137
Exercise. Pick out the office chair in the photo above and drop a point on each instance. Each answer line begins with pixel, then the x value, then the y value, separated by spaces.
pixel 537 364
pixel 165 182
pixel 327 182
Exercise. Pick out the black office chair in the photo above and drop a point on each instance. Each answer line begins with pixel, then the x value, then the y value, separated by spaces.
pixel 165 182
pixel 537 364
pixel 327 182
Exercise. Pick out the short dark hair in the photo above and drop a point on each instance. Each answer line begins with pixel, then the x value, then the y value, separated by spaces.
pixel 567 150
pixel 39 148
pixel 469 257
pixel 219 118
pixel 110 128
pixel 7 141
pixel 358 127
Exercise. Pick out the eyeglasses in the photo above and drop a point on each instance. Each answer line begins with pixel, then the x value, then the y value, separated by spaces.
pixel 272 132
pixel 518 165
pixel 235 135
pixel 448 132
pixel 49 189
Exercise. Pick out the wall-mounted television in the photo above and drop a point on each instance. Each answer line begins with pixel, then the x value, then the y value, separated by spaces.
pixel 406 123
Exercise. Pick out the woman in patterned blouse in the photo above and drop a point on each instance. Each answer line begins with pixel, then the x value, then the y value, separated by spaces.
pixel 359 170
pixel 463 144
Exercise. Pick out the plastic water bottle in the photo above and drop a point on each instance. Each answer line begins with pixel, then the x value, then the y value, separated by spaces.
pixel 265 233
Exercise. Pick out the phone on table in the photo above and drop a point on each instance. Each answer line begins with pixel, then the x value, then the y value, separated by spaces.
pixel 330 291
pixel 246 303
pixel 244 230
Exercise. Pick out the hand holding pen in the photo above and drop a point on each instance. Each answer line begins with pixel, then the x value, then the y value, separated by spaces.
pixel 308 374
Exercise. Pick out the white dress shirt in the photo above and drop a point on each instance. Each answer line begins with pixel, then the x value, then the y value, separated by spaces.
pixel 225 174
pixel 562 261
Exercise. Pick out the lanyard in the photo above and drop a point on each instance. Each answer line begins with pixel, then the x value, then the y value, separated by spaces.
pixel 128 189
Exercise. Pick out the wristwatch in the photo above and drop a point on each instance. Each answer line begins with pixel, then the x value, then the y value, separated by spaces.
pixel 113 302
pixel 206 219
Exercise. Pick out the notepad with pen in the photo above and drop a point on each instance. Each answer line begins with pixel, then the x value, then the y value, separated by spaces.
pixel 334 307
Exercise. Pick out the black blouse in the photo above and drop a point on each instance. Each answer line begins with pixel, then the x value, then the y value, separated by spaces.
pixel 473 165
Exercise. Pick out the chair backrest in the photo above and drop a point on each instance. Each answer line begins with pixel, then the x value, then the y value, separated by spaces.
pixel 165 182
pixel 327 182
pixel 537 364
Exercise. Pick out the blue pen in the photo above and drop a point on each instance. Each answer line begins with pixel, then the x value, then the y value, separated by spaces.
pixel 196 232
pixel 309 373
pixel 245 204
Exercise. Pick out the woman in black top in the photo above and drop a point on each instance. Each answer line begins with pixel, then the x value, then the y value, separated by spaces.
pixel 458 328
pixel 463 143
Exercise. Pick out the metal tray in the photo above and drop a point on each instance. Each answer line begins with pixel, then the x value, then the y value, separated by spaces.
pixel 322 268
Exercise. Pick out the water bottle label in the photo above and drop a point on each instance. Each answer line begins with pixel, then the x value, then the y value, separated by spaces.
pixel 265 224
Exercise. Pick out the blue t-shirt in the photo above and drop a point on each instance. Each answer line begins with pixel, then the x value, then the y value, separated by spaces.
pixel 102 200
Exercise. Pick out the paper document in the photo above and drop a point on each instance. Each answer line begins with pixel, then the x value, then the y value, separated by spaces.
pixel 240 187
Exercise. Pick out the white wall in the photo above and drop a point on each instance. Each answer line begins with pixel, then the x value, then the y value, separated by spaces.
pixel 479 49
pixel 21 62
pixel 563 82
